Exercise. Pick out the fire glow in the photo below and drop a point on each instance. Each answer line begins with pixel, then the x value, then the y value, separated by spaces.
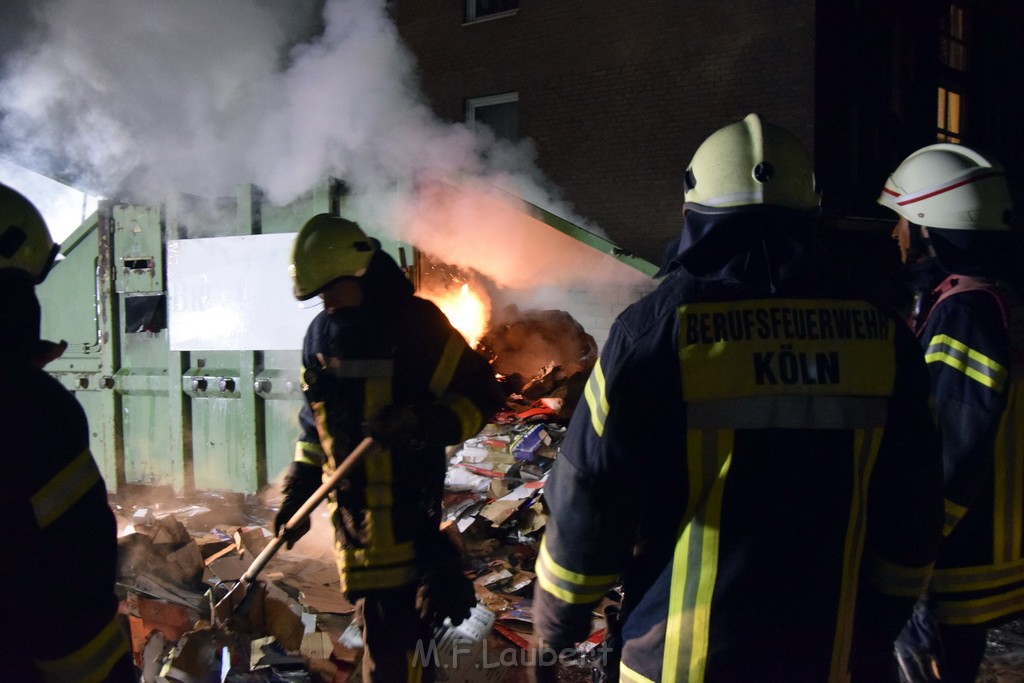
pixel 466 309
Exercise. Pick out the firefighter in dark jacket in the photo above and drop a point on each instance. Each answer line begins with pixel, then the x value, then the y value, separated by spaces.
pixel 754 457
pixel 380 361
pixel 954 232
pixel 59 611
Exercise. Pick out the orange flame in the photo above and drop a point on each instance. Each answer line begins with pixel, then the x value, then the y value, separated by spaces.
pixel 466 310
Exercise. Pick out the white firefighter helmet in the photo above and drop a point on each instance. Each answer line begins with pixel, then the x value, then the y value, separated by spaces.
pixel 327 249
pixel 750 163
pixel 950 187
pixel 25 242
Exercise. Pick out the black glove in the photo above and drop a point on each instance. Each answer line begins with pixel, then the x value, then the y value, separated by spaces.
pixel 919 651
pixel 444 590
pixel 414 427
pixel 300 483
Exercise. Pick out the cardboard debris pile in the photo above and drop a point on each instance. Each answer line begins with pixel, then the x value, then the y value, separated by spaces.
pixel 177 558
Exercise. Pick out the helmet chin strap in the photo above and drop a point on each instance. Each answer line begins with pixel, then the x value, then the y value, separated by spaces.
pixel 920 247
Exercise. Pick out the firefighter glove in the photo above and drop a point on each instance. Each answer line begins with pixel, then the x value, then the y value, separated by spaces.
pixel 444 592
pixel 414 427
pixel 919 650
pixel 300 483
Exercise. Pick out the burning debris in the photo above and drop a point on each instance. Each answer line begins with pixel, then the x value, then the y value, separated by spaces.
pixel 544 358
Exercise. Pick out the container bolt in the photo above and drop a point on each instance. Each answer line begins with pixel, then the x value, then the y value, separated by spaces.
pixel 291 386
pixel 226 384
pixel 198 384
pixel 107 382
pixel 83 382
pixel 262 385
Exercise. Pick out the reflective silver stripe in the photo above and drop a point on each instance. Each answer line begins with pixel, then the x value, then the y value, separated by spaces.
pixel 358 369
pixel 447 365
pixel 788 412
pixel 979 367
pixel 65 489
pixel 90 663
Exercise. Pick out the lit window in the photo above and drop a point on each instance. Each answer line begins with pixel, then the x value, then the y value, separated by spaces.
pixel 950 116
pixel 499 112
pixel 490 9
pixel 953 42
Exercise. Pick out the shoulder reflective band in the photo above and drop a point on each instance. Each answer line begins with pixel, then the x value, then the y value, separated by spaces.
pixel 447 364
pixel 785 346
pixel 470 417
pixel 65 489
pixel 957 355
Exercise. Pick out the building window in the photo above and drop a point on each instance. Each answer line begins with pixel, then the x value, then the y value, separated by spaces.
pixel 950 118
pixel 499 112
pixel 490 9
pixel 953 41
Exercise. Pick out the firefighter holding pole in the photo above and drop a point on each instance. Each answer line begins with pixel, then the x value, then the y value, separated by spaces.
pixel 381 362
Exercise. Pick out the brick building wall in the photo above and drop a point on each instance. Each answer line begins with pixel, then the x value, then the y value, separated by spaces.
pixel 617 96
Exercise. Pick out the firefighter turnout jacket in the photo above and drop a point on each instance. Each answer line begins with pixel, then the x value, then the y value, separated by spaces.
pixel 973 339
pixel 394 349
pixel 59 617
pixel 762 473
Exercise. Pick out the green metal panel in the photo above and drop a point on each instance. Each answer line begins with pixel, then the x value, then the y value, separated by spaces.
pixel 277 386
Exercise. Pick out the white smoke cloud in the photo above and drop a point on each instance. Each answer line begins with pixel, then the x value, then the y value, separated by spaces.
pixel 149 99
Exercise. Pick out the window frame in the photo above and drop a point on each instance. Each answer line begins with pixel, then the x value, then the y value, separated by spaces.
pixel 474 103
pixel 471 17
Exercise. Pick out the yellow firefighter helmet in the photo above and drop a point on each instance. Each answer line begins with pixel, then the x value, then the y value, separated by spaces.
pixel 327 249
pixel 750 163
pixel 949 187
pixel 25 242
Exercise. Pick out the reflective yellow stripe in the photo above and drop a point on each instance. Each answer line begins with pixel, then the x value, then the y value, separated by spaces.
pixel 568 586
pixel 944 349
pixel 695 561
pixel 594 393
pixel 370 579
pixel 627 675
pixel 65 489
pixel 896 579
pixel 954 513
pixel 865 445
pixel 446 366
pixel 969 579
pixel 91 662
pixel 1008 468
pixel 414 667
pixel 309 453
pixel 470 417
pixel 326 438
pixel 978 611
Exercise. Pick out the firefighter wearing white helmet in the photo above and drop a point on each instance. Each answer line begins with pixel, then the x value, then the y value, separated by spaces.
pixel 382 362
pixel 778 419
pixel 59 530
pixel 954 231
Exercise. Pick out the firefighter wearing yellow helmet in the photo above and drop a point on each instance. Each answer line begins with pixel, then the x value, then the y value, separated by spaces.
pixel 754 460
pixel 954 231
pixel 380 361
pixel 59 532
